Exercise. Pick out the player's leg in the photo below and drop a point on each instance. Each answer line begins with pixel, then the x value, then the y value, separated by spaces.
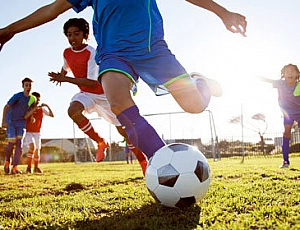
pixel 141 134
pixel 127 156
pixel 30 154
pixel 140 156
pixel 8 153
pixel 36 161
pixel 28 148
pixel 193 93
pixel 37 153
pixel 11 137
pixel 286 145
pixel 17 155
pixel 19 133
pixel 75 112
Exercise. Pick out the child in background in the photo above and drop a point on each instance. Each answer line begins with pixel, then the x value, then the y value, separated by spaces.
pixel 289 104
pixel 80 59
pixel 32 139
pixel 128 155
pixel 13 120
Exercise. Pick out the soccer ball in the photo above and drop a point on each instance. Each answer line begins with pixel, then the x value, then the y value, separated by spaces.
pixel 178 175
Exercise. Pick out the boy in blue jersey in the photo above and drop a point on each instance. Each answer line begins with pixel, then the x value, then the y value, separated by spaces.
pixel 13 120
pixel 289 104
pixel 130 38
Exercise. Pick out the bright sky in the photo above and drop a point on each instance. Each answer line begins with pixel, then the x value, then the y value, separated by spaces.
pixel 200 42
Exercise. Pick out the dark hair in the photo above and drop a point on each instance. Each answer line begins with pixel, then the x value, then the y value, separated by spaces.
pixel 26 79
pixel 36 94
pixel 287 66
pixel 81 23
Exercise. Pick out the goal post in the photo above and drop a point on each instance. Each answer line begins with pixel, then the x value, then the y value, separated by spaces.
pixel 197 129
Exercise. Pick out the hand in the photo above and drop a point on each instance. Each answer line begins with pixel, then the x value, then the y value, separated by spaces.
pixel 57 78
pixel 236 23
pixel 32 119
pixel 5 36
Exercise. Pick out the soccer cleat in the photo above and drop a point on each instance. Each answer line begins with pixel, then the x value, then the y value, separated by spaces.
pixel 37 170
pixel 15 170
pixel 101 152
pixel 29 170
pixel 143 165
pixel 214 86
pixel 284 165
pixel 6 167
pixel 6 170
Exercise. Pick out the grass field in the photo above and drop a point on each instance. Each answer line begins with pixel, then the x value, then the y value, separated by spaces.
pixel 253 195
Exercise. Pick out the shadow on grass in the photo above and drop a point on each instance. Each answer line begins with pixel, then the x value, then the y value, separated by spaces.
pixel 68 189
pixel 148 217
pixel 151 216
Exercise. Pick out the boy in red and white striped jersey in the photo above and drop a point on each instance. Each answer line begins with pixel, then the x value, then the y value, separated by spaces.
pixel 80 60
pixel 32 139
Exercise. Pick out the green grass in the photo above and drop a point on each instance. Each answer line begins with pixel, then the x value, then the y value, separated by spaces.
pixel 252 195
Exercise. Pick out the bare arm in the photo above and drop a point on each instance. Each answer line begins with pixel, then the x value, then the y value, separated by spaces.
pixel 266 80
pixel 49 109
pixel 61 77
pixel 41 16
pixel 234 22
pixel 5 109
pixel 30 111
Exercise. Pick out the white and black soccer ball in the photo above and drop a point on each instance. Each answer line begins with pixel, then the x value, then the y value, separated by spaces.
pixel 178 175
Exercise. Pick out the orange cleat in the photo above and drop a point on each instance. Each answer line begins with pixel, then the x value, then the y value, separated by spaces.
pixel 101 152
pixel 15 170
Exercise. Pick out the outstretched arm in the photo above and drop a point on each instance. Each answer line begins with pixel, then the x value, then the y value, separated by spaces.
pixel 234 22
pixel 266 79
pixel 41 16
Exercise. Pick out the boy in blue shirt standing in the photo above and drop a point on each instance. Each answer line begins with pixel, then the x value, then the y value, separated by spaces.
pixel 13 120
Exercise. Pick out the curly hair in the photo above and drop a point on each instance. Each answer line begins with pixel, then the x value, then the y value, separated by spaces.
pixel 288 66
pixel 81 23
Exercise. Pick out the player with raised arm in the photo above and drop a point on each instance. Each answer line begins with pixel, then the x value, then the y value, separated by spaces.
pixel 289 103
pixel 131 45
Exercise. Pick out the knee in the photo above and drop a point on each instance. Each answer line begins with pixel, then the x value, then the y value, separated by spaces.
pixel 18 142
pixel 73 112
pixel 31 147
pixel 287 131
pixel 118 107
pixel 37 152
pixel 193 108
pixel 122 131
pixel 190 101
pixel 286 134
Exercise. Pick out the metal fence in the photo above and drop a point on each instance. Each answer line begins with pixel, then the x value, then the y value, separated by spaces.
pixel 236 146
